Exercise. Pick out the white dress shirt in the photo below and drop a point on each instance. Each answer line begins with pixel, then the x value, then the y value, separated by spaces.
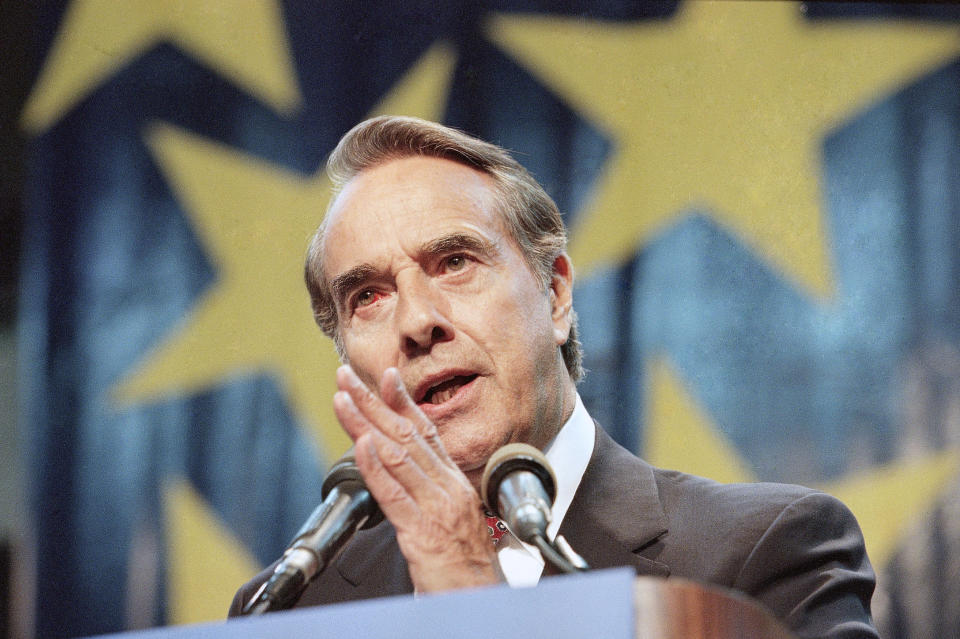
pixel 568 454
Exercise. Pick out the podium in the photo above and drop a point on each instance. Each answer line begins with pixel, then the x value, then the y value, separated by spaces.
pixel 607 604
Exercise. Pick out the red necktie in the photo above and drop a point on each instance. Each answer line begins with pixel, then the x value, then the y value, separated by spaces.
pixel 495 527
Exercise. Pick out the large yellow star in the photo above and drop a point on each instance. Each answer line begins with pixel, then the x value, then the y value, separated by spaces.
pixel 206 563
pixel 255 220
pixel 722 107
pixel 245 41
pixel 887 501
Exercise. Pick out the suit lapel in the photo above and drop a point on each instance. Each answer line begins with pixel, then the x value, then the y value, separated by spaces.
pixel 374 563
pixel 616 515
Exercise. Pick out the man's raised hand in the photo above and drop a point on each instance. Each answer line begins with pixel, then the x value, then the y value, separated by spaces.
pixel 432 505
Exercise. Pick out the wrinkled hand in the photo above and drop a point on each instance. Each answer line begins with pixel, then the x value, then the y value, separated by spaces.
pixel 433 506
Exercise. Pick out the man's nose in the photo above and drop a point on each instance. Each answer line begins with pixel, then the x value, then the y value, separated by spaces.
pixel 421 316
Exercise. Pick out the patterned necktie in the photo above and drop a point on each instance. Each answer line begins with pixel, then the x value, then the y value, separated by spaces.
pixel 495 527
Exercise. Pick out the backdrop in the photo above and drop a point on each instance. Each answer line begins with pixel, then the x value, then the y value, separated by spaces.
pixel 765 221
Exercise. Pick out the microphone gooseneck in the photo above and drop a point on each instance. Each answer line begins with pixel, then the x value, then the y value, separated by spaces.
pixel 347 507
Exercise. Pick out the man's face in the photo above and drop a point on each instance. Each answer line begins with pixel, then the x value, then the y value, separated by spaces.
pixel 427 278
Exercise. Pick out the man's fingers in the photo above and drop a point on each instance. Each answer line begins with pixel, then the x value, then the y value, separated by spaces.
pixel 431 504
pixel 393 400
pixel 392 474
pixel 395 395
pixel 373 407
pixel 366 410
pixel 350 417
pixel 365 400
pixel 392 494
pixel 408 497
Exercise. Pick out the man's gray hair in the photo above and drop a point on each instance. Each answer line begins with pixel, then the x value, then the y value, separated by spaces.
pixel 532 218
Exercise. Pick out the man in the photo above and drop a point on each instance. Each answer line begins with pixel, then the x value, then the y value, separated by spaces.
pixel 440 273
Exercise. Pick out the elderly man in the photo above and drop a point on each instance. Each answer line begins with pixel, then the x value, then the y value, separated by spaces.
pixel 440 273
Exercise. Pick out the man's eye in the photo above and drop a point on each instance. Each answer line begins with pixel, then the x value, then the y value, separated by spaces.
pixel 365 298
pixel 455 262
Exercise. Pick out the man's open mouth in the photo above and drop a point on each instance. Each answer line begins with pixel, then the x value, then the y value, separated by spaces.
pixel 446 389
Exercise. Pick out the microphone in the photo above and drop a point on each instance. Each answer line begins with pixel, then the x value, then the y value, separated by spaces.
pixel 519 486
pixel 347 507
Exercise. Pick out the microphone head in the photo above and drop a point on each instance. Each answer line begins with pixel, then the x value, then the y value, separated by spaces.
pixel 344 469
pixel 344 472
pixel 511 458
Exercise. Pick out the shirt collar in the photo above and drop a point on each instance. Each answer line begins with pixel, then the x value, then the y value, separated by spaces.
pixel 568 454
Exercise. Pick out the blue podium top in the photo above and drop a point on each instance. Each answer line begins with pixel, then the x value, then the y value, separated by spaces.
pixel 593 604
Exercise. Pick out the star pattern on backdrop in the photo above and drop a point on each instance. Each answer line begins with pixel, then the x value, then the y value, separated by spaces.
pixel 722 107
pixel 205 561
pixel 244 41
pixel 255 220
pixel 888 501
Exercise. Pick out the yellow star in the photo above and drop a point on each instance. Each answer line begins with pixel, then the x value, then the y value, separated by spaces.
pixel 245 41
pixel 722 107
pixel 256 219
pixel 887 500
pixel 206 563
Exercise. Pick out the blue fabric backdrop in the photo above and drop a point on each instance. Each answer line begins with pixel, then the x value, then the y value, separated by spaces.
pixel 803 390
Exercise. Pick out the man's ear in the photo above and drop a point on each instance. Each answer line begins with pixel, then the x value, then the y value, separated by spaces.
pixel 561 297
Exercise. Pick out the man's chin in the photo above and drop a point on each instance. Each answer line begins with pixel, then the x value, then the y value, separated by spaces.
pixel 473 465
pixel 475 477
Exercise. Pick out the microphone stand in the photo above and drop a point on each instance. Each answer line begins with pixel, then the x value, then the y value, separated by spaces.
pixel 346 508
pixel 314 551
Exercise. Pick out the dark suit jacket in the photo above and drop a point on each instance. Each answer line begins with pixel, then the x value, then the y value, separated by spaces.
pixel 797 551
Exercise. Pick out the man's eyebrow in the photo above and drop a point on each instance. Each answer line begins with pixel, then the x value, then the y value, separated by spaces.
pixel 458 242
pixel 342 284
